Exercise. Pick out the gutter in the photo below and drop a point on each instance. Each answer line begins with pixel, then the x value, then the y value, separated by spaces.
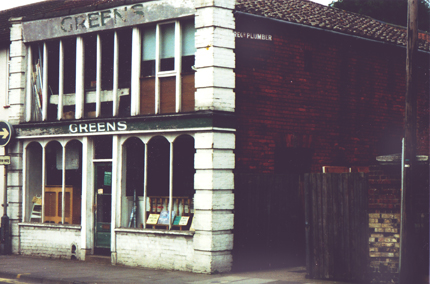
pixel 325 30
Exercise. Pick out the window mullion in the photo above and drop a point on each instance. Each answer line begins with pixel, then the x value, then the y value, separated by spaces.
pixel 145 184
pixel 170 184
pixel 98 75
pixel 45 83
pixel 135 71
pixel 43 183
pixel 60 80
pixel 157 68
pixel 28 106
pixel 80 77
pixel 115 74
pixel 178 65
pixel 63 186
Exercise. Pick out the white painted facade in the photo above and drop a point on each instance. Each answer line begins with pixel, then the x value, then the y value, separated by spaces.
pixel 204 248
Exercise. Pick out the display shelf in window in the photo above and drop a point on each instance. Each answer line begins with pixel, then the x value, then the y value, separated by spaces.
pixel 182 206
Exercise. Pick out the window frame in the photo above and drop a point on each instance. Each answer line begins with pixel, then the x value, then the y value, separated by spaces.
pixel 44 143
pixel 177 70
pixel 145 139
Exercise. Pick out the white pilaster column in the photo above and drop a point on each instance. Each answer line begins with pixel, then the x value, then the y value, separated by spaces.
pixel 87 214
pixel 17 73
pixel 215 58
pixel 16 92
pixel 213 201
pixel 214 158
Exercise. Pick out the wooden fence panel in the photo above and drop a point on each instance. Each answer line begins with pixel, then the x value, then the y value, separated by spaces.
pixel 337 226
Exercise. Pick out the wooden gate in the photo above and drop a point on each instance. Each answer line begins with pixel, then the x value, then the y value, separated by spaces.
pixel 337 238
pixel 269 226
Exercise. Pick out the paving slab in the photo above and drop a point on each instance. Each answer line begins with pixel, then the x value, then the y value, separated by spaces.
pixel 25 269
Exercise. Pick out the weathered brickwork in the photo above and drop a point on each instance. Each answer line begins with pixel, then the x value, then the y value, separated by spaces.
pixel 345 96
pixel 158 251
pixel 384 222
pixel 50 241
pixel 384 191
pixel 384 247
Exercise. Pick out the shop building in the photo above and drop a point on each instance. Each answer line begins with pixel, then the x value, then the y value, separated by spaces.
pixel 127 110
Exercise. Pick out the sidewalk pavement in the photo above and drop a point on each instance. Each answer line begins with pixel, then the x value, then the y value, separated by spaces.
pixel 26 269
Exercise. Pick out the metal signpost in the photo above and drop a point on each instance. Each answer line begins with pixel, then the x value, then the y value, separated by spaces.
pixel 6 133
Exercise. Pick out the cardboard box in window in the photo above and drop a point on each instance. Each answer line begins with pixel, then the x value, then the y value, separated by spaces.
pixel 69 115
pixel 90 114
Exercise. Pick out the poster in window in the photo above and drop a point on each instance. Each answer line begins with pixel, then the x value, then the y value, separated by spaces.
pixel 107 179
pixel 152 219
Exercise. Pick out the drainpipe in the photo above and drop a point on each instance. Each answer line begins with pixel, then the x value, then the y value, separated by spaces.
pixel 6 247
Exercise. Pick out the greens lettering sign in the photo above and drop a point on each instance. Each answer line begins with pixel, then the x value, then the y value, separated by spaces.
pixel 116 17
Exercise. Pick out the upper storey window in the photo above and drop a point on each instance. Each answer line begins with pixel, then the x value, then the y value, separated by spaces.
pixel 82 77
pixel 167 75
pixel 128 72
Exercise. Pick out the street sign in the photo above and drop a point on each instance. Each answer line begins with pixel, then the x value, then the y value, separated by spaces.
pixel 4 160
pixel 6 132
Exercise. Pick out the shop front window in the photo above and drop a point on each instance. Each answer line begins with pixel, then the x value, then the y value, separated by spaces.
pixel 159 183
pixel 53 182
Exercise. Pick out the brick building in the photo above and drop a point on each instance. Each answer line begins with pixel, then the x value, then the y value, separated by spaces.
pixel 127 110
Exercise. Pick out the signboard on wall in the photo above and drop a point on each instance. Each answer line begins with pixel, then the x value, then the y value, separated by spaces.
pixel 115 17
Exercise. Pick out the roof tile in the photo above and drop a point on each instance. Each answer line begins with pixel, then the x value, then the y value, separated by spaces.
pixel 309 13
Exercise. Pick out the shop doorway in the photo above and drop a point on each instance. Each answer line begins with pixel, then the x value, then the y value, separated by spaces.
pixel 102 207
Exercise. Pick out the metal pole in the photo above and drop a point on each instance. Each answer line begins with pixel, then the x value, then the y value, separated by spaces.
pixel 5 230
pixel 406 262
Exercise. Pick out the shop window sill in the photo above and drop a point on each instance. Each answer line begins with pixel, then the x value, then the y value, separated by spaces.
pixel 50 225
pixel 154 231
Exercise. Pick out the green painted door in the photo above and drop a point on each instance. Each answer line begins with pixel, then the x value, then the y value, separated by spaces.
pixel 103 205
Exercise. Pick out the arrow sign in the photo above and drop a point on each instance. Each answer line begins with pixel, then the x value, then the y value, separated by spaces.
pixel 6 133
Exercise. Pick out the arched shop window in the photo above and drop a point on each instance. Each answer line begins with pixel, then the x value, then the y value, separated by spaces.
pixel 33 184
pixel 133 171
pixel 159 178
pixel 158 166
pixel 54 180
pixel 183 166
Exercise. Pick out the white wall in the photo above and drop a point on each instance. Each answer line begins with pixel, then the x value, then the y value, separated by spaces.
pixel 156 250
pixel 49 240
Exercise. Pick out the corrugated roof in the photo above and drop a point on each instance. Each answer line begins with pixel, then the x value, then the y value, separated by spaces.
pixel 303 12
pixel 312 14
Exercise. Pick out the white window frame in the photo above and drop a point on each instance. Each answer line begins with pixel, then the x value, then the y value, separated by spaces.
pixel 121 180
pixel 176 72
pixel 26 198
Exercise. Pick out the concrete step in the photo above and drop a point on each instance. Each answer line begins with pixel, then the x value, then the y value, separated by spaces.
pixel 100 259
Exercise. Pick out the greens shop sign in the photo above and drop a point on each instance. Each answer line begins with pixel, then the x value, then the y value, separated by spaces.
pixel 112 18
pixel 97 127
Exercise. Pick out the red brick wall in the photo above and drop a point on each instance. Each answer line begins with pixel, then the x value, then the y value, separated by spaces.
pixel 384 222
pixel 348 107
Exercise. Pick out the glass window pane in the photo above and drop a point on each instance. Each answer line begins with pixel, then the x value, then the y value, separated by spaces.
pixel 167 34
pixel 148 44
pixel 103 146
pixel 188 31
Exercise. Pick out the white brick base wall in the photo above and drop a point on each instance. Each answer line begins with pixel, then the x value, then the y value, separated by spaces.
pixel 49 240
pixel 168 250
